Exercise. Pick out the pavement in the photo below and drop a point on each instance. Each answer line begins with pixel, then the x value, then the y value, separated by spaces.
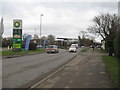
pixel 87 70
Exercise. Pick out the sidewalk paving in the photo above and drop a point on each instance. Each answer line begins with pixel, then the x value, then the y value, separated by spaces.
pixel 87 70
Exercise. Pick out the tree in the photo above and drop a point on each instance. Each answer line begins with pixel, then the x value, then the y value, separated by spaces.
pixel 50 39
pixel 1 31
pixel 7 42
pixel 116 41
pixel 42 39
pixel 36 36
pixel 24 36
pixel 105 26
pixel 82 37
pixel 83 34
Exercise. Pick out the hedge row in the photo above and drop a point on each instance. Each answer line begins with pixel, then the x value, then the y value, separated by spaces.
pixel 116 44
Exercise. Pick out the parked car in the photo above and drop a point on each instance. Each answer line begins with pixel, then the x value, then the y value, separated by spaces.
pixel 39 46
pixel 82 46
pixel 72 49
pixel 52 49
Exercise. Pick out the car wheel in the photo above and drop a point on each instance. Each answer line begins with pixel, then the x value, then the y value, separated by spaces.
pixel 48 52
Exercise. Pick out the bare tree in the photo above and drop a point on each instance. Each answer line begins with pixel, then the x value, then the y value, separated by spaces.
pixel 82 37
pixel 83 34
pixel 50 39
pixel 105 26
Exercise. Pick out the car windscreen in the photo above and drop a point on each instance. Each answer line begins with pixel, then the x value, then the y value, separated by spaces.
pixel 72 47
pixel 50 46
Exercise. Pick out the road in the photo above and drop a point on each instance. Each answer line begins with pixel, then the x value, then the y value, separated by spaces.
pixel 25 70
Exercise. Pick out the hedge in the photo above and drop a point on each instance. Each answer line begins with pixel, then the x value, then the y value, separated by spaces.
pixel 117 46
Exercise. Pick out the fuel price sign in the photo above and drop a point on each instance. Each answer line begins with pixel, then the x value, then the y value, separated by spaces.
pixel 17 35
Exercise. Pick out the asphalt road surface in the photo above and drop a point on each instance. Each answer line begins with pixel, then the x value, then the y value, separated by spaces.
pixel 20 71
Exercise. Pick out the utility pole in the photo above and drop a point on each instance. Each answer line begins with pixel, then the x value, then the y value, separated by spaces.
pixel 41 27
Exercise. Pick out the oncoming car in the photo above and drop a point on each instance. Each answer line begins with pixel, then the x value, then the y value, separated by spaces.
pixel 72 49
pixel 52 49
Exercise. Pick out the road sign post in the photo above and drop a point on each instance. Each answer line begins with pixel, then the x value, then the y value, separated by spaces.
pixel 17 35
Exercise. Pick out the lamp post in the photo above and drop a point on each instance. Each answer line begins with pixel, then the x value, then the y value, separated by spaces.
pixel 40 26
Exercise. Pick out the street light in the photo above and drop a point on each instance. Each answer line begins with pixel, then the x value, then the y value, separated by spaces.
pixel 40 26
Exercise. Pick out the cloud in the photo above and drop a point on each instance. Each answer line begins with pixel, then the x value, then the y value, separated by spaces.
pixel 60 0
pixel 62 19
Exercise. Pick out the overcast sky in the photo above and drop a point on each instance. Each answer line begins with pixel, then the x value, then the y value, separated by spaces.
pixel 62 19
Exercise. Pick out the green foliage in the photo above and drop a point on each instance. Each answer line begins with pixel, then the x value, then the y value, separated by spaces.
pixel 109 47
pixel 7 42
pixel 117 46
pixel 106 46
pixel 0 53
pixel 112 68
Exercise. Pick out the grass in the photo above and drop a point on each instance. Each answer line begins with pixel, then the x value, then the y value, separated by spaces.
pixel 10 52
pixel 0 53
pixel 100 50
pixel 85 49
pixel 103 51
pixel 112 68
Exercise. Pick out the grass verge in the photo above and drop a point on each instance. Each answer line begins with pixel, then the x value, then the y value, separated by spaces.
pixel 0 53
pixel 112 68
pixel 85 49
pixel 100 50
pixel 10 52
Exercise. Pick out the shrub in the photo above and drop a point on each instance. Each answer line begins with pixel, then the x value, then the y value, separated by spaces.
pixel 32 46
pixel 109 47
pixel 117 46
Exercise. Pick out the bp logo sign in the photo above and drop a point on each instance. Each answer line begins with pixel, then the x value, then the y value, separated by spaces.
pixel 17 24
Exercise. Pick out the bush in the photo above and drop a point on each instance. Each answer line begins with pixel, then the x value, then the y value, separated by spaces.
pixel 109 47
pixel 106 46
pixel 32 46
pixel 117 46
